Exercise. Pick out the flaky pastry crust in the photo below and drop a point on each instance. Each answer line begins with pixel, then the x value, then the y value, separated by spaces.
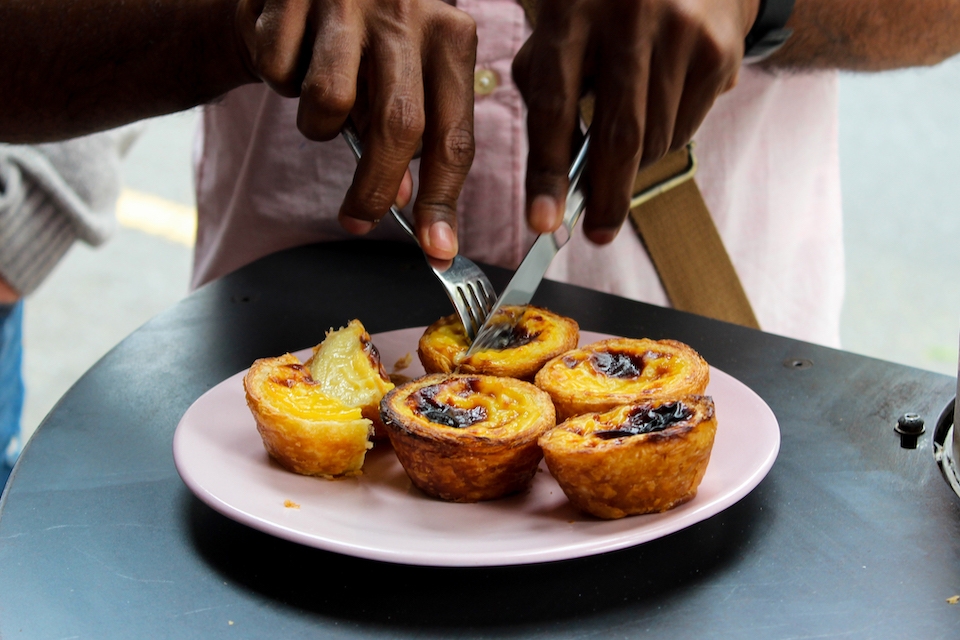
pixel 538 336
pixel 303 428
pixel 619 371
pixel 317 418
pixel 608 467
pixel 468 437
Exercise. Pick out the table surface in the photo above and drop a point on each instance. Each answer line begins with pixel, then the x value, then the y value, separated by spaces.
pixel 849 535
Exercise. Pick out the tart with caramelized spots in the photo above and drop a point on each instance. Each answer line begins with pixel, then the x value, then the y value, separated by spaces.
pixel 468 437
pixel 537 335
pixel 619 371
pixel 635 459
pixel 312 417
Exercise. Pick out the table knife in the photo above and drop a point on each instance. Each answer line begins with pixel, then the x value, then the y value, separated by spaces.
pixel 498 326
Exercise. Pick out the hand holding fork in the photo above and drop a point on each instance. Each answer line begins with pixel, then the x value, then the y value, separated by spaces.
pixel 465 284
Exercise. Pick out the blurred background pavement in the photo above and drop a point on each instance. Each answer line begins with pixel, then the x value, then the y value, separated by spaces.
pixel 899 150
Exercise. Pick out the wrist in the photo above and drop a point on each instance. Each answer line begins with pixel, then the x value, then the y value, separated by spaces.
pixel 769 31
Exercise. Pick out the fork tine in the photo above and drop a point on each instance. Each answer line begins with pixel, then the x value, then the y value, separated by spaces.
pixel 475 308
pixel 476 302
pixel 461 303
pixel 489 296
pixel 485 298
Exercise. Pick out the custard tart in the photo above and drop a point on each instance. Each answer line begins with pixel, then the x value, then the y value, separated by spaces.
pixel 638 458
pixel 303 428
pixel 468 437
pixel 312 416
pixel 609 373
pixel 536 336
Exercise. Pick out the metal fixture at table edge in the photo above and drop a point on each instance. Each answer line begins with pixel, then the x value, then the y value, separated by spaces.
pixel 946 443
pixel 946 447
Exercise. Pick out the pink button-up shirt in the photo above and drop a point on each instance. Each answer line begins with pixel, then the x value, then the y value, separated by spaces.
pixel 769 172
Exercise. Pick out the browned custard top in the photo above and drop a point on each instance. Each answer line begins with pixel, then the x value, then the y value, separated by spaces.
pixel 487 406
pixel 617 364
pixel 625 366
pixel 425 403
pixel 647 419
pixel 507 337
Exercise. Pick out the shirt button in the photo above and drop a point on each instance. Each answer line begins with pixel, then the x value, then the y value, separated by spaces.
pixel 485 81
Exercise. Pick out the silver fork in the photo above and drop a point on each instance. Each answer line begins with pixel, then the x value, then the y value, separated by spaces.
pixel 466 284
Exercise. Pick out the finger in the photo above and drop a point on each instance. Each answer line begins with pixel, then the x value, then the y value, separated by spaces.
pixel 406 190
pixel 711 74
pixel 619 125
pixel 329 89
pixel 670 62
pixel 395 126
pixel 248 11
pixel 274 44
pixel 448 144
pixel 549 72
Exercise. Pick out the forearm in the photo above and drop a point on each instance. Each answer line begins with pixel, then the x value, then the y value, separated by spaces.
pixel 869 35
pixel 76 66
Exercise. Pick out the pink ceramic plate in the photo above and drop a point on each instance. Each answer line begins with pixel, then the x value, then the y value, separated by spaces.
pixel 381 516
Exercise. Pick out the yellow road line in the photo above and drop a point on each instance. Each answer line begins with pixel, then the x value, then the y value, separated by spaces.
pixel 157 216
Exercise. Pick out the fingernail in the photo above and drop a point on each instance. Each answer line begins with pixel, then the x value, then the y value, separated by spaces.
pixel 545 213
pixel 603 235
pixel 442 237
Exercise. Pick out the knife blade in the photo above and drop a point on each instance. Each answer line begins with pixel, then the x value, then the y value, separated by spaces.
pixel 498 326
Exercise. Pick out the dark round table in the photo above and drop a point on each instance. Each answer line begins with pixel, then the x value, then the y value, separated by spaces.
pixel 849 535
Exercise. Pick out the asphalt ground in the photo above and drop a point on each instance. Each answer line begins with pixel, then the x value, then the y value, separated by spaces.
pixel 900 167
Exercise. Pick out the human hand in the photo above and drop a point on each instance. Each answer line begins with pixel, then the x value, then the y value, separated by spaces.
pixel 404 67
pixel 655 68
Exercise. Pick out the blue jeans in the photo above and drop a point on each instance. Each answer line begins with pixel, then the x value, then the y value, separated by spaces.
pixel 11 385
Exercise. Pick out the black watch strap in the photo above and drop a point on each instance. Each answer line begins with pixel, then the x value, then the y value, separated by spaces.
pixel 769 31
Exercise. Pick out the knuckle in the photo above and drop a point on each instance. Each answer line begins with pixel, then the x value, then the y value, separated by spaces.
pixel 403 121
pixel 325 103
pixel 454 25
pixel 331 96
pixel 398 10
pixel 270 62
pixel 369 203
pixel 463 28
pixel 457 148
pixel 720 48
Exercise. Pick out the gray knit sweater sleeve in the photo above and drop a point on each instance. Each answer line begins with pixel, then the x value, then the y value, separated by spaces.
pixel 52 195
